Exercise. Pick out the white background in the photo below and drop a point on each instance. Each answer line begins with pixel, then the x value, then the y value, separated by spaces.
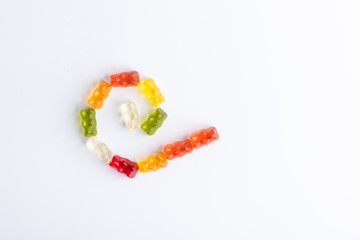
pixel 279 79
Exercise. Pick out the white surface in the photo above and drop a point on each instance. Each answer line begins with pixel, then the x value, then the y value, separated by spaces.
pixel 279 80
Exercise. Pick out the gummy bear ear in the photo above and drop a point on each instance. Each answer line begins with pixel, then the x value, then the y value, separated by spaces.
pixel 215 133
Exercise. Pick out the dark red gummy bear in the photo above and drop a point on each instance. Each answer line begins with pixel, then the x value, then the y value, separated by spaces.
pixel 124 165
pixel 125 79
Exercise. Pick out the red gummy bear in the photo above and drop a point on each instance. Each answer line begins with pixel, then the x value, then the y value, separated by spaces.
pixel 203 137
pixel 124 165
pixel 125 79
pixel 177 149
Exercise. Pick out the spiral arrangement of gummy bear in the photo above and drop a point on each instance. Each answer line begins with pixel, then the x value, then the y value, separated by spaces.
pixel 152 122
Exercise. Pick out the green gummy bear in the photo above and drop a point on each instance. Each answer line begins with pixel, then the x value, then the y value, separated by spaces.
pixel 153 121
pixel 88 122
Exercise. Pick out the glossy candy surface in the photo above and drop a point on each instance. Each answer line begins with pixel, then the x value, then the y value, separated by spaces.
pixel 124 165
pixel 203 137
pixel 88 122
pixel 125 79
pixel 99 149
pixel 130 115
pixel 99 95
pixel 177 149
pixel 153 121
pixel 151 92
pixel 152 163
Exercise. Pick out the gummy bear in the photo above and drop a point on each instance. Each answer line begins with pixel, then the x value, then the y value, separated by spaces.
pixel 99 149
pixel 99 95
pixel 152 163
pixel 124 165
pixel 177 149
pixel 203 137
pixel 88 122
pixel 151 92
pixel 125 79
pixel 153 121
pixel 130 115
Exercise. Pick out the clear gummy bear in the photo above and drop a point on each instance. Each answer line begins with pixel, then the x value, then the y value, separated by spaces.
pixel 99 149
pixel 130 115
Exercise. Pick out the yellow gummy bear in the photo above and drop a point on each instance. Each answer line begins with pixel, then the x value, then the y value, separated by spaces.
pixel 98 96
pixel 151 92
pixel 153 162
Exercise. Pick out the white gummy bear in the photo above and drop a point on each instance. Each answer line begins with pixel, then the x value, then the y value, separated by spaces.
pixel 130 115
pixel 99 149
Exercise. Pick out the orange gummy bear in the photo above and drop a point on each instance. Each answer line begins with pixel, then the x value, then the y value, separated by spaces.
pixel 99 95
pixel 203 137
pixel 152 163
pixel 177 149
